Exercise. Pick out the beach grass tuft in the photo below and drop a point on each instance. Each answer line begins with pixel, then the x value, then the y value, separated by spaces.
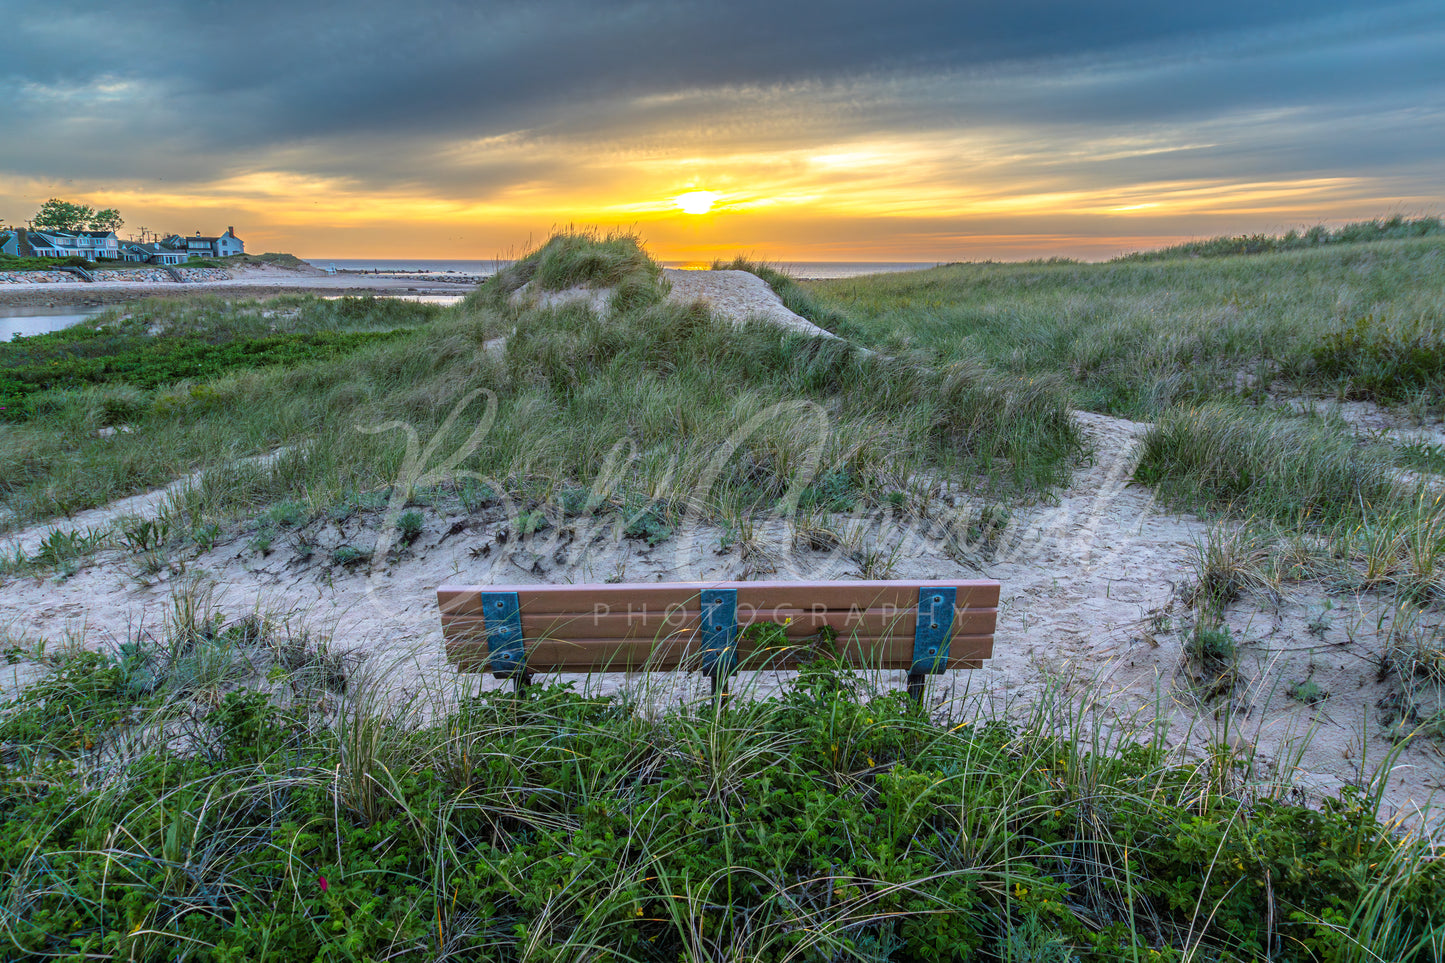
pixel 1291 471
pixel 581 259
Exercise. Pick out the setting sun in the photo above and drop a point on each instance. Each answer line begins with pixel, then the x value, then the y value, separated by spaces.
pixel 696 202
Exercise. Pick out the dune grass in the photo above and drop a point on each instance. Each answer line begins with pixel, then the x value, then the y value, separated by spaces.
pixel 1394 227
pixel 583 259
pixel 1294 472
pixel 560 396
pixel 269 259
pixel 1134 339
pixel 1213 346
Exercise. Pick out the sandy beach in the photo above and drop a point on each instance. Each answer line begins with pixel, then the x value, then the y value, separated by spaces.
pixel 245 282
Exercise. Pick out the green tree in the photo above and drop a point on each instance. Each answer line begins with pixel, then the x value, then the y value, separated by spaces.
pixel 63 216
pixel 106 220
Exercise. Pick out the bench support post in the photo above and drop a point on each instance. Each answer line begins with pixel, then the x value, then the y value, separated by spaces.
pixel 503 614
pixel 931 636
pixel 719 636
pixel 916 683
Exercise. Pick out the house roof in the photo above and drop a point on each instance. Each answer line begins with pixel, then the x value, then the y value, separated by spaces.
pixel 49 238
pixel 148 247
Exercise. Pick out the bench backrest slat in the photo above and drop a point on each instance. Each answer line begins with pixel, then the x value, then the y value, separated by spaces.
pixel 626 627
pixel 802 623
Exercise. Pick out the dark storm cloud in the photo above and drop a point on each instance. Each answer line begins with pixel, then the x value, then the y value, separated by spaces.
pixel 374 91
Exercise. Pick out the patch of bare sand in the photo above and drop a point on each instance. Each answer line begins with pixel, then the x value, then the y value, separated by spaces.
pixel 1374 421
pixel 733 295
pixel 1090 608
pixel 739 295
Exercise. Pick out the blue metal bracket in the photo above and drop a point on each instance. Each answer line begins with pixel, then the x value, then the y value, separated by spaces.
pixel 719 632
pixel 503 614
pixel 935 628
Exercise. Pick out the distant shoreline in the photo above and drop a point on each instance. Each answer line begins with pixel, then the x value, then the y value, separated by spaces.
pixel 244 283
pixel 433 267
pixel 391 279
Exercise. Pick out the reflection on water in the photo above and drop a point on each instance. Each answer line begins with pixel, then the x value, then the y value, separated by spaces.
pixel 28 320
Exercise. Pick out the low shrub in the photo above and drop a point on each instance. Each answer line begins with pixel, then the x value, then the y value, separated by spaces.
pixel 9 262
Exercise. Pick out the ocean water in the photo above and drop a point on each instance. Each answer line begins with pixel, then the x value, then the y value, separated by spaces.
pixel 798 269
pixel 832 269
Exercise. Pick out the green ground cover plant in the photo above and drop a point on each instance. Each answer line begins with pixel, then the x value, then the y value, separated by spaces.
pixel 830 823
pixel 140 361
pixel 10 262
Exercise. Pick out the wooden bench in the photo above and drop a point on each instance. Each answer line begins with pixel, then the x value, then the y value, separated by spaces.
pixel 517 630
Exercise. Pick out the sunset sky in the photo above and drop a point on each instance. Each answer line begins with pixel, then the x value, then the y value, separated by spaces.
pixel 797 131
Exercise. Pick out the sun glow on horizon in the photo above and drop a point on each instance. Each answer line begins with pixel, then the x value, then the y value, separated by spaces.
pixel 696 202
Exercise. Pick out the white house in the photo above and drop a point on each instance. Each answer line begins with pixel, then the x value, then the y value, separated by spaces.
pixel 93 245
pixel 223 246
pixel 228 243
pixel 98 244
